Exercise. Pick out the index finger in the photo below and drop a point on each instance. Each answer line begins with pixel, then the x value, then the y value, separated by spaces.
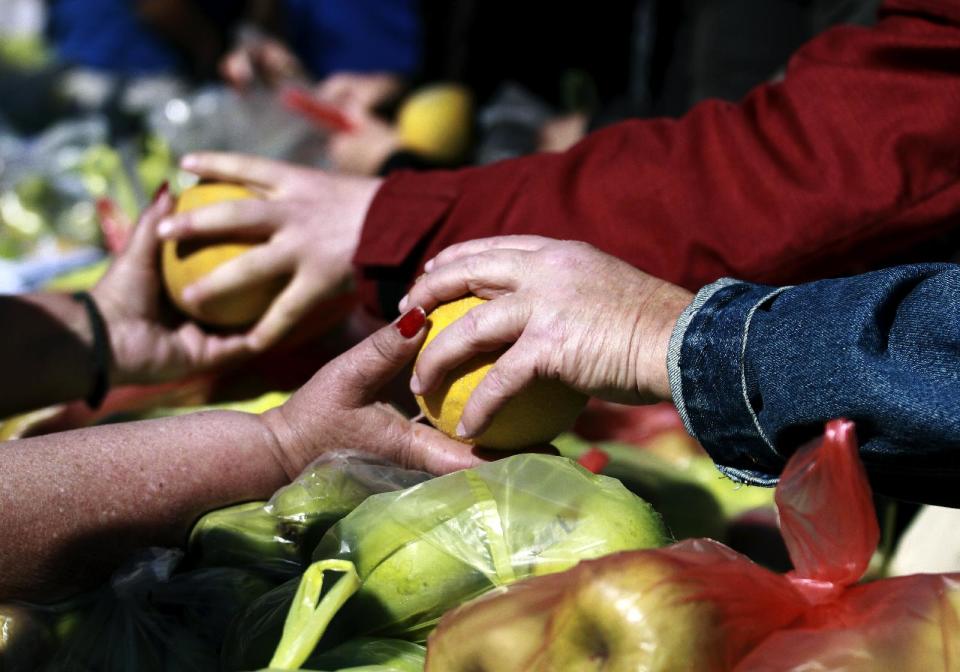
pixel 471 247
pixel 486 275
pixel 232 167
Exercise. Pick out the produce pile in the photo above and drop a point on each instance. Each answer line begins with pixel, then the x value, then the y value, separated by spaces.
pixel 531 562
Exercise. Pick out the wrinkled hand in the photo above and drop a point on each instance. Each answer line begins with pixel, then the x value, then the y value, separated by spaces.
pixel 338 408
pixel 358 92
pixel 263 57
pixel 312 221
pixel 147 345
pixel 566 311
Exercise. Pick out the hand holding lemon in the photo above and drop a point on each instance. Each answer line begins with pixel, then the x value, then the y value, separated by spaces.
pixel 535 416
pixel 561 313
pixel 187 261
pixel 306 224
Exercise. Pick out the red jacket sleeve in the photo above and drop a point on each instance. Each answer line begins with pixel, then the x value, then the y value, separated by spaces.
pixel 853 158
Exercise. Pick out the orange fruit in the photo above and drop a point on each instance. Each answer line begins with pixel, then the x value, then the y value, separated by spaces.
pixel 186 261
pixel 535 416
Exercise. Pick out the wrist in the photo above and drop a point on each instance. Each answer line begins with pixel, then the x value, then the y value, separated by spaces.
pixel 286 442
pixel 357 195
pixel 659 320
pixel 119 372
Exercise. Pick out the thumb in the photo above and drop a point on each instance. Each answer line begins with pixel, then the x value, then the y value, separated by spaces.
pixel 358 374
pixel 141 249
pixel 432 451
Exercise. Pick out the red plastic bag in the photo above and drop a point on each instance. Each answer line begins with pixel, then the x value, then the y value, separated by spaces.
pixel 699 605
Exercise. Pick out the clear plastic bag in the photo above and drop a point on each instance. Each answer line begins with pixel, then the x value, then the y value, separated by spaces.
pixel 255 122
pixel 118 628
pixel 145 618
pixel 280 535
pixel 699 605
pixel 25 639
pixel 678 480
pixel 366 654
pixel 412 555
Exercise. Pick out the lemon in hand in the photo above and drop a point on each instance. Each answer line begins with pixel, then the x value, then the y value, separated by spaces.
pixel 186 261
pixel 535 416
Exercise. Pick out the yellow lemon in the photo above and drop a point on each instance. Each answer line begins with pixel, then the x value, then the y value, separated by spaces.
pixel 436 122
pixel 185 262
pixel 535 416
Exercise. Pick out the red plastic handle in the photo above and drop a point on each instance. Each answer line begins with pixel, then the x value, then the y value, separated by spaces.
pixel 320 114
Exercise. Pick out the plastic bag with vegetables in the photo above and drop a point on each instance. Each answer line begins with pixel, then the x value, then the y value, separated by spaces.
pixel 679 480
pixel 25 639
pixel 280 535
pixel 366 654
pixel 405 558
pixel 699 605
pixel 147 618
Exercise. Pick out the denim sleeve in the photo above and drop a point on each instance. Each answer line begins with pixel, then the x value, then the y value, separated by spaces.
pixel 756 371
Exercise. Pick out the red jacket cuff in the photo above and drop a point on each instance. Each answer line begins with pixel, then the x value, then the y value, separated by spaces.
pixel 405 209
pixel 403 214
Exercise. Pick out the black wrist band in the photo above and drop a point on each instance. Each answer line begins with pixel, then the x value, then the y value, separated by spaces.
pixel 99 351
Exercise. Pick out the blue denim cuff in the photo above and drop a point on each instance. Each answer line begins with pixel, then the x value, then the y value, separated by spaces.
pixel 705 363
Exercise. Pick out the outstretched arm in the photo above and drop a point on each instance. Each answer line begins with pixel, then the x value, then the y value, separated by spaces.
pixel 78 502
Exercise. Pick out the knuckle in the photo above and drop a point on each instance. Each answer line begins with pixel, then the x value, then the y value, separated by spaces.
pixel 471 326
pixel 496 384
pixel 380 346
pixel 473 265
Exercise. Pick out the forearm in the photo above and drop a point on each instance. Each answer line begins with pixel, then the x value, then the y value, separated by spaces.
pixel 78 502
pixel 45 347
pixel 757 371
pixel 813 176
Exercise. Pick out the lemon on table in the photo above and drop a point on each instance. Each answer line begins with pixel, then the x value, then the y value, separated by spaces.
pixel 437 122
pixel 186 261
pixel 535 416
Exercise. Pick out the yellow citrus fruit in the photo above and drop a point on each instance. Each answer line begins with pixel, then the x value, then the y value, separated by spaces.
pixel 535 416
pixel 186 261
pixel 436 122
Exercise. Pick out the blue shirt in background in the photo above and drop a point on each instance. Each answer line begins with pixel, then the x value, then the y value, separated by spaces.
pixel 108 35
pixel 355 35
pixel 327 35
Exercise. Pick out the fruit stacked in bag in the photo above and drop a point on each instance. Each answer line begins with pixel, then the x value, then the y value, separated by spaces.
pixel 698 605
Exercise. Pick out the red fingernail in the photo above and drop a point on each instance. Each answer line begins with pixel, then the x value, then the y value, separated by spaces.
pixel 594 460
pixel 161 191
pixel 409 325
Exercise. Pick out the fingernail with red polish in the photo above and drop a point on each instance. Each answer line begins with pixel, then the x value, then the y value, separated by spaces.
pixel 161 191
pixel 409 325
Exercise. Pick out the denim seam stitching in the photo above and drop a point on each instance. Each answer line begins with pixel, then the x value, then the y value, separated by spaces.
pixel 674 374
pixel 743 369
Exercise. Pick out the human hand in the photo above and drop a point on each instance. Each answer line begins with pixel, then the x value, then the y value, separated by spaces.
pixel 339 408
pixel 147 345
pixel 358 92
pixel 364 148
pixel 562 133
pixel 260 56
pixel 311 219
pixel 564 309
